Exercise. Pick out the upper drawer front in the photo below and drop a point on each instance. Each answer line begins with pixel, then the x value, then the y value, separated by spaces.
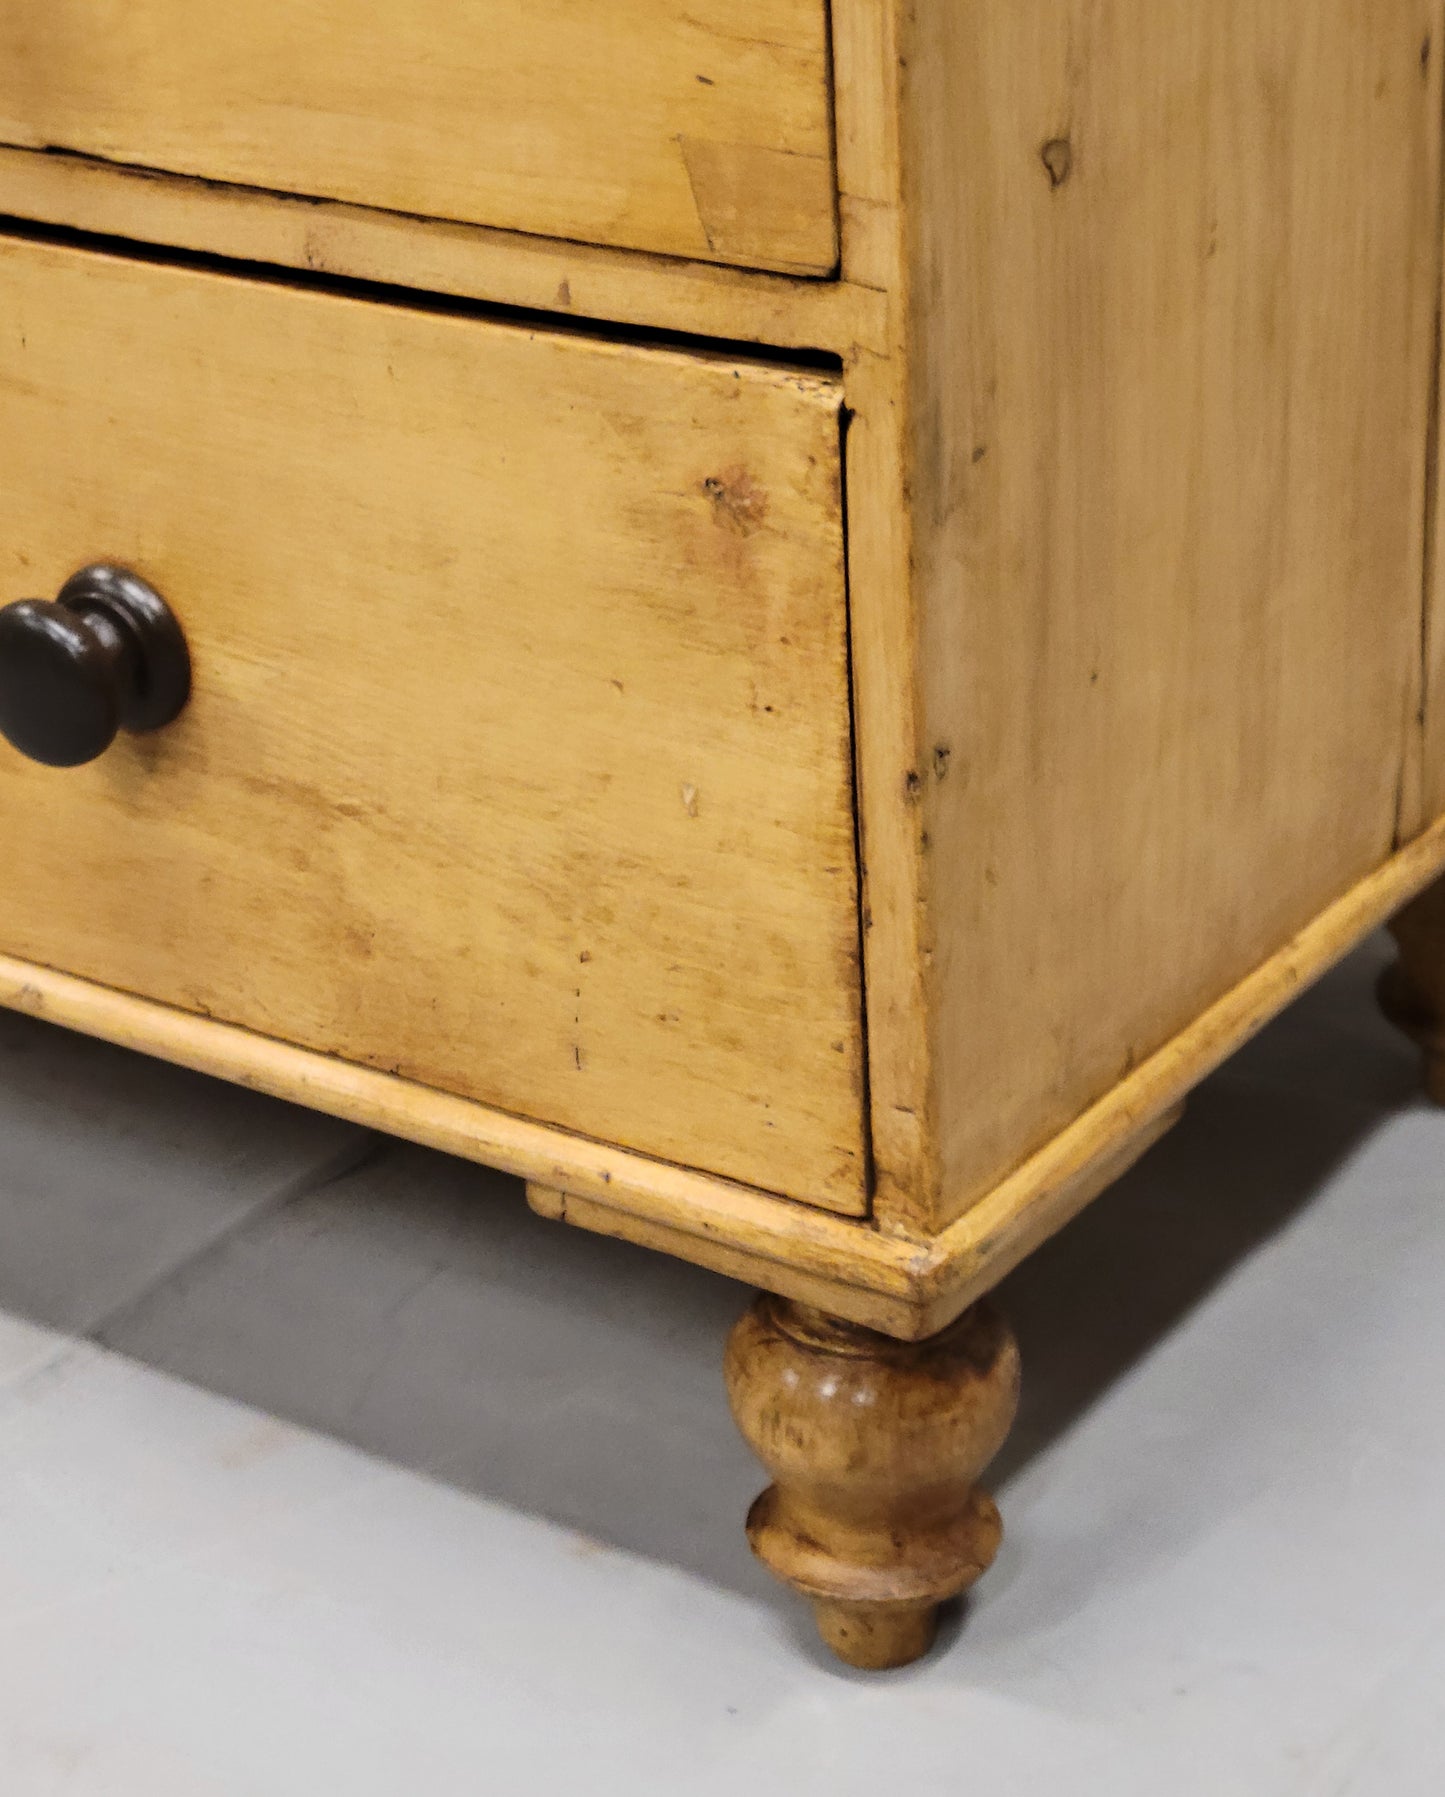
pixel 650 124
pixel 517 760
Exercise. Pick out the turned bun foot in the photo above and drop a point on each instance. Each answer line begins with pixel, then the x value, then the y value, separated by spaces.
pixel 875 1447
pixel 1412 991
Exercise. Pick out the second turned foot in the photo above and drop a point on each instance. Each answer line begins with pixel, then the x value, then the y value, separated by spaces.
pixel 1412 989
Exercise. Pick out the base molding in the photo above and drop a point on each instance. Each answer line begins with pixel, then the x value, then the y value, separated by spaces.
pixel 912 1288
pixel 855 1269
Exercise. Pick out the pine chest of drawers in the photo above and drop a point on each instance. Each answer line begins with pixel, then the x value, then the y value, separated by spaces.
pixel 787 621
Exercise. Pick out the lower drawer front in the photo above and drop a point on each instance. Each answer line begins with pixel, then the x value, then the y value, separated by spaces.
pixel 517 759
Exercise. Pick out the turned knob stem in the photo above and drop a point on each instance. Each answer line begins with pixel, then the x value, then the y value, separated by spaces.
pixel 875 1447
pixel 105 655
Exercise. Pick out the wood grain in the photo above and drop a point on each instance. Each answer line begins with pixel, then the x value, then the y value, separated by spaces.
pixel 575 280
pixel 867 54
pixel 847 1266
pixel 1172 277
pixel 647 124
pixel 1136 324
pixel 1423 790
pixel 400 1107
pixel 884 600
pixel 518 762
pixel 909 1287
pixel 875 1448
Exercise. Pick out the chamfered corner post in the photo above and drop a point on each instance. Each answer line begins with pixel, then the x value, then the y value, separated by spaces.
pixel 875 1447
pixel 1412 988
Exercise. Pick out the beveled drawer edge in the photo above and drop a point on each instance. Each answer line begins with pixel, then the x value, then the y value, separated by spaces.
pixel 584 282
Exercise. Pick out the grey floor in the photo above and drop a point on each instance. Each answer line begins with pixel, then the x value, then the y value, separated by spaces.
pixel 325 1467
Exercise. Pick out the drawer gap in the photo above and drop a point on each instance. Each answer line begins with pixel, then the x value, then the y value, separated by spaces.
pixel 416 299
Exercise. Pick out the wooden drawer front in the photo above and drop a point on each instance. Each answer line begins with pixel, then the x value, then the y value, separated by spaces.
pixel 518 758
pixel 649 124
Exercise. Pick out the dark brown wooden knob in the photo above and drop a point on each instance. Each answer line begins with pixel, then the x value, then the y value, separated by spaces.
pixel 106 655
